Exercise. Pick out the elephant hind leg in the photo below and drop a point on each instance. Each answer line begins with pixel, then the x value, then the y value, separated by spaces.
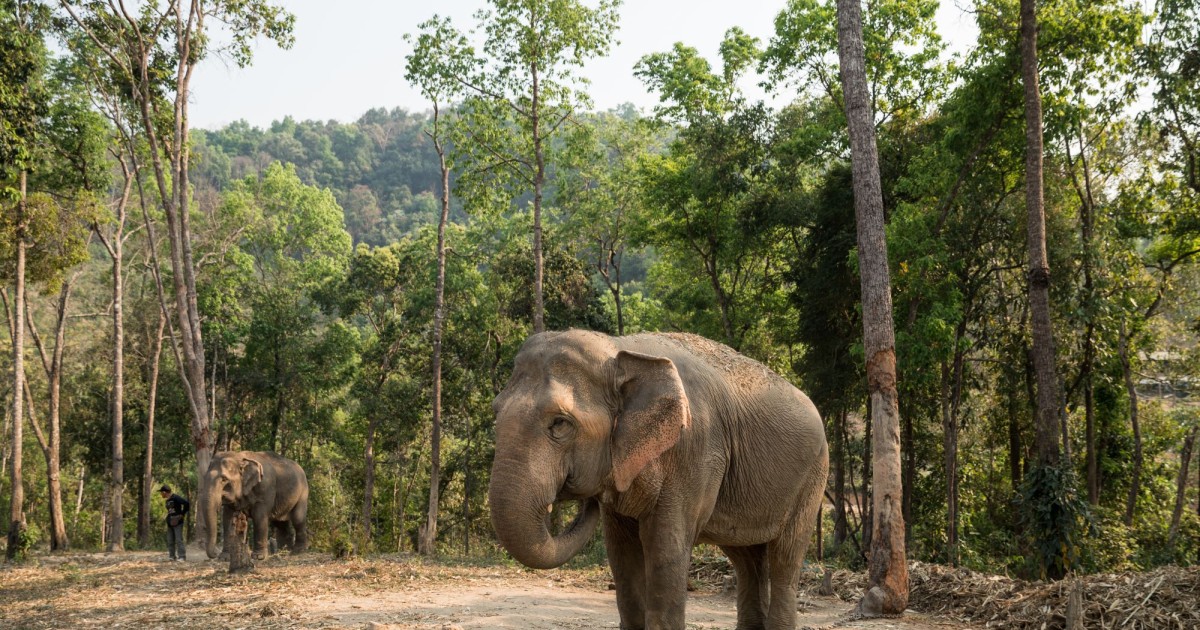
pixel 785 555
pixel 299 520
pixel 283 534
pixel 753 585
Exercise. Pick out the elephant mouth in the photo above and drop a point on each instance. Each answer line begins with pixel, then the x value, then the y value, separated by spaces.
pixel 569 492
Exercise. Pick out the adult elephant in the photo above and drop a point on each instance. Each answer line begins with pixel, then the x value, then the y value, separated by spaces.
pixel 270 489
pixel 670 440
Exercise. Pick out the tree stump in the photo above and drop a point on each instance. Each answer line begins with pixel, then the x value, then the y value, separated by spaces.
pixel 826 589
pixel 240 560
pixel 1075 606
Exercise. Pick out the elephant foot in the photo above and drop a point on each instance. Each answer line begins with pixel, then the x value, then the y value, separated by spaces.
pixel 258 555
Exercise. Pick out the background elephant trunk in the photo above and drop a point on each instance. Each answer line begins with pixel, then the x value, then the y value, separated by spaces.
pixel 519 518
pixel 211 500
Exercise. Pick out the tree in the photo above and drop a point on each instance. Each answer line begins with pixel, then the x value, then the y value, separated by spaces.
pixel 155 52
pixel 524 80
pixel 888 592
pixel 424 68
pixel 1048 444
pixel 704 188
pixel 22 99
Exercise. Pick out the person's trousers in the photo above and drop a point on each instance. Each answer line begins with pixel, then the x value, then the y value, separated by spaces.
pixel 175 542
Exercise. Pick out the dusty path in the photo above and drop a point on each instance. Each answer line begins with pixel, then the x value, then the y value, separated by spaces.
pixel 142 590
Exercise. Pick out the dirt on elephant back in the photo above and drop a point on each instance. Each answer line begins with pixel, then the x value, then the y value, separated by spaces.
pixel 143 590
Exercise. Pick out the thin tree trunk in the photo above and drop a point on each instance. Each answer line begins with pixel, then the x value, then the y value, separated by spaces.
pixel 908 475
pixel 16 520
pixel 1086 238
pixel 1089 414
pixel 1135 483
pixel 427 542
pixel 839 479
pixel 78 498
pixel 148 460
pixel 950 453
pixel 1181 482
pixel 888 570
pixel 369 478
pixel 539 180
pixel 115 247
pixel 1039 267
pixel 53 446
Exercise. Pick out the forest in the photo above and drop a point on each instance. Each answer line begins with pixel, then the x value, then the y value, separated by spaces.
pixel 351 295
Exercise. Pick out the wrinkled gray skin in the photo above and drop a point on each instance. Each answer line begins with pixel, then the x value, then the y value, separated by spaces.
pixel 269 489
pixel 669 440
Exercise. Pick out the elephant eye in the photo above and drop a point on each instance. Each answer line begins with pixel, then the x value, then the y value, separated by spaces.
pixel 560 426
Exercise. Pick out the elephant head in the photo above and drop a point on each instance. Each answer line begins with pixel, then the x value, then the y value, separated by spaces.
pixel 578 417
pixel 230 479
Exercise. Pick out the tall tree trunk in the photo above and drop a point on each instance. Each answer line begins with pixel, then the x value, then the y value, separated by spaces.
pixel 53 446
pixel 50 445
pixel 148 460
pixel 16 520
pixel 1039 266
pixel 1135 483
pixel 427 543
pixel 888 588
pixel 539 180
pixel 1086 241
pixel 115 244
pixel 1181 482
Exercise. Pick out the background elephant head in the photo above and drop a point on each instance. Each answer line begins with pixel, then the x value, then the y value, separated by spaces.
pixel 231 479
pixel 577 418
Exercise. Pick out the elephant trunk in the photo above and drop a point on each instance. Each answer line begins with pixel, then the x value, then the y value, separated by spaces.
pixel 211 500
pixel 519 518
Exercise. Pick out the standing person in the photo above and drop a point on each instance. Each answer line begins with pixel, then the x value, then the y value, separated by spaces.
pixel 177 508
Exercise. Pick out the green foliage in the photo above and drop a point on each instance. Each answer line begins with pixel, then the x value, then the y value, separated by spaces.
pixel 1054 518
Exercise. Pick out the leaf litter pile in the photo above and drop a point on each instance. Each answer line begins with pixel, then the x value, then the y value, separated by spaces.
pixel 1166 598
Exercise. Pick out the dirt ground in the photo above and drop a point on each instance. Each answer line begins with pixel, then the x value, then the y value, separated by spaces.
pixel 143 590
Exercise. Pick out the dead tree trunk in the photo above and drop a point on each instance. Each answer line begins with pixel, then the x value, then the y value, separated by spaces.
pixel 240 560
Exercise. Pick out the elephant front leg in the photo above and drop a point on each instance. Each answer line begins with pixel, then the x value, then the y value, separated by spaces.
pixel 667 547
pixel 628 565
pixel 262 532
pixel 227 533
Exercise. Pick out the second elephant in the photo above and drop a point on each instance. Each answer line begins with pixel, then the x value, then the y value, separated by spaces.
pixel 270 489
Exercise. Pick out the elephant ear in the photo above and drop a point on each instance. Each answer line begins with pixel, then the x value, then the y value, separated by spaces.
pixel 654 412
pixel 252 473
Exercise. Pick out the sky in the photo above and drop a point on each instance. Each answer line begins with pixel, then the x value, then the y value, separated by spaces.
pixel 349 55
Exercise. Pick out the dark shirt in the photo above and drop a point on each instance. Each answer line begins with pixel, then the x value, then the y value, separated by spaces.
pixel 177 505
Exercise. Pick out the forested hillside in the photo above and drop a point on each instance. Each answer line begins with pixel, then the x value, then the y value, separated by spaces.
pixel 282 288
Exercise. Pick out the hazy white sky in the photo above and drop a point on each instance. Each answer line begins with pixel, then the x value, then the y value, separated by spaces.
pixel 349 55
